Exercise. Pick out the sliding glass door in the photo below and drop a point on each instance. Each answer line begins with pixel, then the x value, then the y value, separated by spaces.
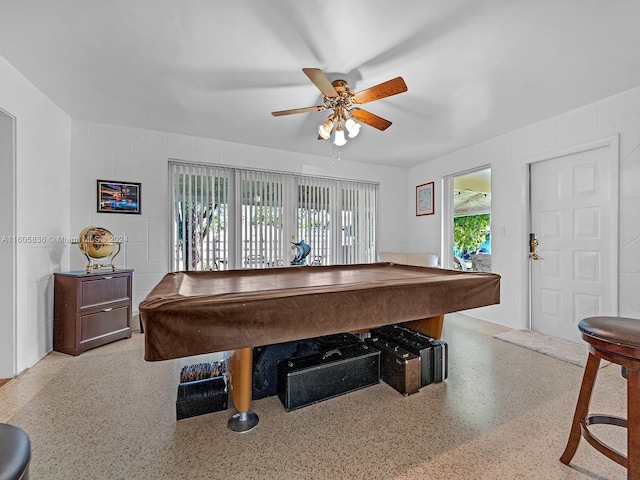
pixel 238 218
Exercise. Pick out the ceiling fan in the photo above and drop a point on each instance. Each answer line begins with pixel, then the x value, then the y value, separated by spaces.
pixel 337 96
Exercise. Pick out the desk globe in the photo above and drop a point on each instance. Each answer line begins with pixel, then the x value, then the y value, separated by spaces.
pixel 98 243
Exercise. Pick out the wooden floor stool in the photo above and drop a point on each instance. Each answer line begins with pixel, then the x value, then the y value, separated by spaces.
pixel 616 339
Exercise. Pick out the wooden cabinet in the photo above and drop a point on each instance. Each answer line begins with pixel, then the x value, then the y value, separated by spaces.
pixel 90 309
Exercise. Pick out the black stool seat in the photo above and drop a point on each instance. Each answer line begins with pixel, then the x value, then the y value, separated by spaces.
pixel 15 453
pixel 616 339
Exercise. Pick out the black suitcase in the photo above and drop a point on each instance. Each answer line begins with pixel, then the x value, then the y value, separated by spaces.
pixel 266 358
pixel 310 379
pixel 416 344
pixel 265 363
pixel 440 360
pixel 398 367
pixel 440 355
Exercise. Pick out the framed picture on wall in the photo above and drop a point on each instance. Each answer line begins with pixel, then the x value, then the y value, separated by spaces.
pixel 118 197
pixel 424 199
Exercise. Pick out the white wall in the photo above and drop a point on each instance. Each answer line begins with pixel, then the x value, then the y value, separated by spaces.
pixel 108 152
pixel 43 136
pixel 507 155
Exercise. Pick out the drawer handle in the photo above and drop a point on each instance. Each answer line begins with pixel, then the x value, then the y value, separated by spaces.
pixel 107 278
pixel 107 309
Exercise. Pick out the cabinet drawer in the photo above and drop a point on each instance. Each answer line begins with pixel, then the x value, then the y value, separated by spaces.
pixel 107 322
pixel 104 290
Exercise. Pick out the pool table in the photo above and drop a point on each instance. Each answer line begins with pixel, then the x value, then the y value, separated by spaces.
pixel 193 313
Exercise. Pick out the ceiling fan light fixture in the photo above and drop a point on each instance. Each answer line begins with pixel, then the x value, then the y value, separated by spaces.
pixel 326 128
pixel 339 139
pixel 323 132
pixel 337 96
pixel 353 128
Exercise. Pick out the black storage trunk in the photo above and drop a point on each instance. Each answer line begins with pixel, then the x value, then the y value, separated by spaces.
pixel 265 363
pixel 413 342
pixel 310 379
pixel 202 389
pixel 267 357
pixel 398 367
pixel 201 397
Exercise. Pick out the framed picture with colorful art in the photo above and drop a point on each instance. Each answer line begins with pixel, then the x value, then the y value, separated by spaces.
pixel 118 197
pixel 424 199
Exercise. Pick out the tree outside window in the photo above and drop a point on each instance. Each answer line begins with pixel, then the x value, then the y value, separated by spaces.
pixel 469 232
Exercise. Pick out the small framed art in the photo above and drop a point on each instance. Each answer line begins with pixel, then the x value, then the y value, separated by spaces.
pixel 424 199
pixel 118 197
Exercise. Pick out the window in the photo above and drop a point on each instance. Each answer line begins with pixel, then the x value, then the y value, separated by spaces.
pixel 237 218
pixel 200 234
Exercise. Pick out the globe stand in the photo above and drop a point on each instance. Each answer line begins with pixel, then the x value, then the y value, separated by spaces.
pixel 93 262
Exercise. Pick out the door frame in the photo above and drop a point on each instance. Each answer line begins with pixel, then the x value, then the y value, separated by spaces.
pixel 446 253
pixel 613 143
pixel 10 371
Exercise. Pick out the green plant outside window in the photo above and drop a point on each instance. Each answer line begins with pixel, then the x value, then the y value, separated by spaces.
pixel 470 232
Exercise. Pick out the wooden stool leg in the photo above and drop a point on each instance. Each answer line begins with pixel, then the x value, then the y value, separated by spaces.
pixel 633 423
pixel 582 407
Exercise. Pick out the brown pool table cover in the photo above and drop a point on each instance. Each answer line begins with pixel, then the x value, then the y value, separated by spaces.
pixel 193 313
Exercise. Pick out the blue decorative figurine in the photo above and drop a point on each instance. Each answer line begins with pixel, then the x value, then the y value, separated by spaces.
pixel 302 250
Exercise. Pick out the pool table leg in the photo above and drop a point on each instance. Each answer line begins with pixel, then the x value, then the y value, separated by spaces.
pixel 432 326
pixel 240 381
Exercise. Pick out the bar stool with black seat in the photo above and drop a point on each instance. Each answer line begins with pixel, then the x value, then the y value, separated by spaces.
pixel 15 453
pixel 616 339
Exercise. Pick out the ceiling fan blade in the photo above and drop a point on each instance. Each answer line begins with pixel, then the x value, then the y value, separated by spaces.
pixel 369 118
pixel 382 90
pixel 317 108
pixel 320 80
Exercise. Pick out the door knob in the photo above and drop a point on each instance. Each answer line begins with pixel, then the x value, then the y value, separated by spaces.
pixel 533 247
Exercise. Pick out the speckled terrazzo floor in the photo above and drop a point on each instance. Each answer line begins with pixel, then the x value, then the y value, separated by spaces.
pixel 575 353
pixel 503 413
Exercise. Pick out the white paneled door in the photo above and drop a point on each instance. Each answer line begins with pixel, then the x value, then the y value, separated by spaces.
pixel 575 221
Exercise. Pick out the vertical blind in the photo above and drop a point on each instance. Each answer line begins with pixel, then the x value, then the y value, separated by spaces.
pixel 239 218
pixel 200 234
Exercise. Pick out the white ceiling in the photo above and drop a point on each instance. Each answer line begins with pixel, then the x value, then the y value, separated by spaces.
pixel 474 68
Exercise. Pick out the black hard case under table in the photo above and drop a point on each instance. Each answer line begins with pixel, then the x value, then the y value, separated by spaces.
pixel 313 378
pixel 440 360
pixel 440 354
pixel 202 389
pixel 267 357
pixel 410 340
pixel 265 364
pixel 398 367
